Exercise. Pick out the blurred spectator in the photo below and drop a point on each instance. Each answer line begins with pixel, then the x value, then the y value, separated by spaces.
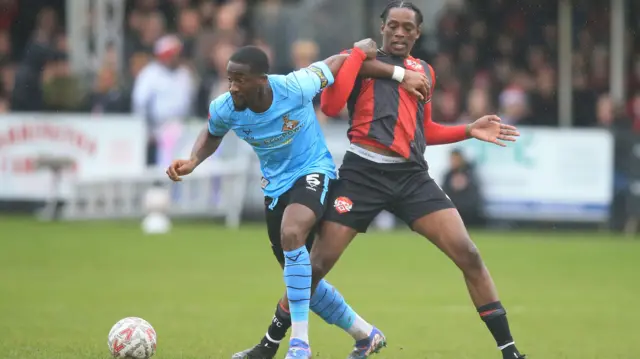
pixel 514 106
pixel 61 89
pixel 462 186
pixel 189 27
pixel 164 90
pixel 144 32
pixel 634 111
pixel 8 12
pixel 7 80
pixel 478 105
pixel 4 105
pixel 304 53
pixel 621 127
pixel 228 24
pixel 107 95
pixel 5 47
pixel 544 99
pixel 214 78
pixel 27 92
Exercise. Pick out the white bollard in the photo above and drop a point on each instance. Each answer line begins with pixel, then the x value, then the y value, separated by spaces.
pixel 156 204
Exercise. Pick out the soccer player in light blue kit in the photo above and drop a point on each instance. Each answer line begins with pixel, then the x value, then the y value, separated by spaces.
pixel 275 115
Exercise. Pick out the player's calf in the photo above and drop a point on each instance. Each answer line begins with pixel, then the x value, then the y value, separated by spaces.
pixel 446 230
pixel 297 222
pixel 484 295
pixel 329 304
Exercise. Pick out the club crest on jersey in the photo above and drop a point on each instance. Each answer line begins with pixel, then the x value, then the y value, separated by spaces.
pixel 288 124
pixel 413 65
pixel 342 204
pixel 323 79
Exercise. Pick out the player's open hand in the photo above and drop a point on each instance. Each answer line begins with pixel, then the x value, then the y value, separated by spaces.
pixel 179 168
pixel 491 129
pixel 368 46
pixel 417 84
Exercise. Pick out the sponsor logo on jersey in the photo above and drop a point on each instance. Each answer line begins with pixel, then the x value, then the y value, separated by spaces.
pixel 313 181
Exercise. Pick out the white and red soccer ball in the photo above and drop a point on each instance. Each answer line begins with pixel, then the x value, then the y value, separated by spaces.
pixel 132 338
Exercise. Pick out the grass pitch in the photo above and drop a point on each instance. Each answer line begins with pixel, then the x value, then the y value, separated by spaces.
pixel 210 292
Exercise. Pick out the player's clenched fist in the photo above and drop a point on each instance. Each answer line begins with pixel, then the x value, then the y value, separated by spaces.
pixel 179 168
pixel 368 46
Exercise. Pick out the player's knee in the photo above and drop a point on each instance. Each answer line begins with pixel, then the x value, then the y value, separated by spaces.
pixel 469 258
pixel 292 237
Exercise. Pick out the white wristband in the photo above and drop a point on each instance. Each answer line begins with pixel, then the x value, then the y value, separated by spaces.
pixel 398 73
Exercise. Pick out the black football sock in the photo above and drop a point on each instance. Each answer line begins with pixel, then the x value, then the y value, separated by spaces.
pixel 278 329
pixel 495 317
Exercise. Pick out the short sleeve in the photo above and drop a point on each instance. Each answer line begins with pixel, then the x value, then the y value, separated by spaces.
pixel 219 116
pixel 308 82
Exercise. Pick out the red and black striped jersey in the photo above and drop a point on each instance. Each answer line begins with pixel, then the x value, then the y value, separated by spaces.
pixel 384 115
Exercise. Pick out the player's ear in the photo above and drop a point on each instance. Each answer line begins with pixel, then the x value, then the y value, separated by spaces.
pixel 382 28
pixel 264 79
pixel 419 31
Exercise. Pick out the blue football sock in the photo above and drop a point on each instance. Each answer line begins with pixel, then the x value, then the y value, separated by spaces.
pixel 297 278
pixel 329 304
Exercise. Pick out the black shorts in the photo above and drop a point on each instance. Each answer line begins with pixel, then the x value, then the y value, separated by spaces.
pixel 365 188
pixel 310 191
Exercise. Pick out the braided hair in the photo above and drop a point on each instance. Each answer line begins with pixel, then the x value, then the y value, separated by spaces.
pixel 399 4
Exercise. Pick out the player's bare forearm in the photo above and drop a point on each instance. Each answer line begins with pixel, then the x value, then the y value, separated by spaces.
pixel 206 144
pixel 335 63
pixel 376 69
pixel 370 68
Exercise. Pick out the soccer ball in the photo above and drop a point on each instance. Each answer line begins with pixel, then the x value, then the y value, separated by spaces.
pixel 132 338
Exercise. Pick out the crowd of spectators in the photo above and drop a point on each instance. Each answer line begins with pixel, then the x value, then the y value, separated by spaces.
pixel 489 55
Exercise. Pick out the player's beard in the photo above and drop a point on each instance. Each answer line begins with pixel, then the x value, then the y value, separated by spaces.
pixel 239 106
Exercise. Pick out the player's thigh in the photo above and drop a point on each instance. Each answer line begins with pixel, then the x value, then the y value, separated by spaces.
pixel 305 208
pixel 274 218
pixel 447 231
pixel 311 191
pixel 417 196
pixel 355 204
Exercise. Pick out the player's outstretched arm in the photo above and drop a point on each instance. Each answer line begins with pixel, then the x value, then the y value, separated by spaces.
pixel 487 128
pixel 207 142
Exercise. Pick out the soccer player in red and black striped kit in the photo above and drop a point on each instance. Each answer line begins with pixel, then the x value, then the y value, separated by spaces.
pixel 385 169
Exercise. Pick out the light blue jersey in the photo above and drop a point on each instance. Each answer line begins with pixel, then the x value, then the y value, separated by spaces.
pixel 287 137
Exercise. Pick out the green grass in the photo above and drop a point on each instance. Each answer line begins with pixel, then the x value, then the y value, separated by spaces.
pixel 209 292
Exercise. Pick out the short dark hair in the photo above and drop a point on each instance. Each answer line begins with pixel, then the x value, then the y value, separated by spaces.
pixel 399 4
pixel 253 57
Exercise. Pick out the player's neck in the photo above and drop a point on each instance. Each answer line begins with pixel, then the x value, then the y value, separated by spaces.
pixel 387 52
pixel 263 100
